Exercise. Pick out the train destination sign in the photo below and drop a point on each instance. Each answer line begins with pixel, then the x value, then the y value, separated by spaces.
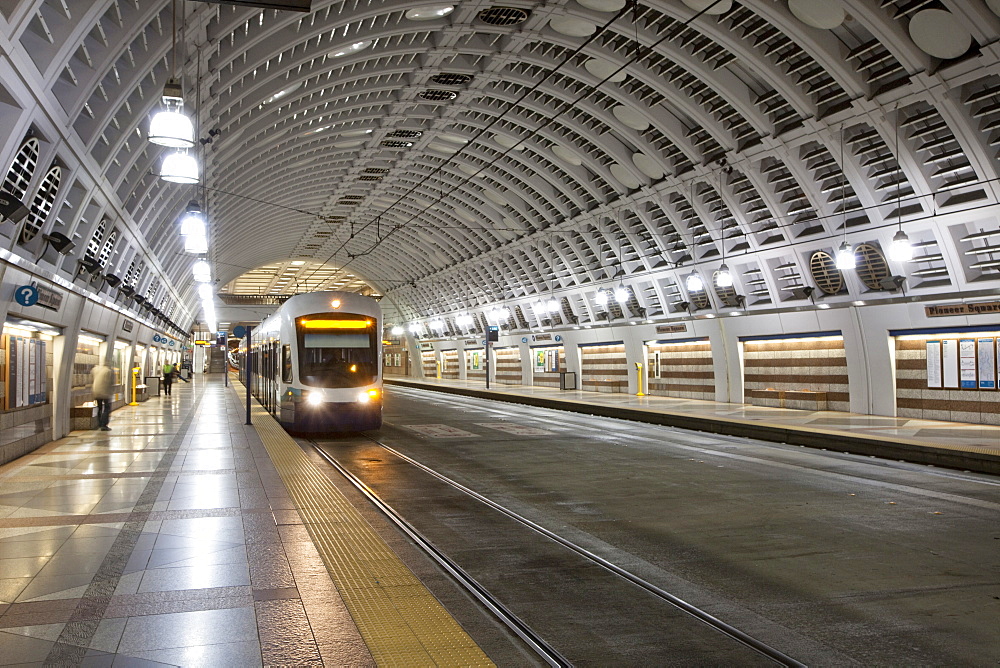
pixel 978 308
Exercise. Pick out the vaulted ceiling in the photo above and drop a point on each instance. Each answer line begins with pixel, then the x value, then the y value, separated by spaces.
pixel 456 157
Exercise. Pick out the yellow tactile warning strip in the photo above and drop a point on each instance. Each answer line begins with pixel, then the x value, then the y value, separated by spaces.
pixel 400 620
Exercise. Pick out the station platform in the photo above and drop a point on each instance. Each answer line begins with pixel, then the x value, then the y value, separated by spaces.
pixel 183 537
pixel 958 445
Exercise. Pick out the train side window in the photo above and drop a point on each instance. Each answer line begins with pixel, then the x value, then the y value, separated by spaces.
pixel 286 364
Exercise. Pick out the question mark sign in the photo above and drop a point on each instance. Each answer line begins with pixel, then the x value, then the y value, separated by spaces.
pixel 27 295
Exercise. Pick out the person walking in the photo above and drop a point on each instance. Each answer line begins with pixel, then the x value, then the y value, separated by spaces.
pixel 103 388
pixel 168 377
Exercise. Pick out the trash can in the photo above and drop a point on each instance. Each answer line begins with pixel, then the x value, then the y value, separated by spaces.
pixel 567 380
pixel 152 386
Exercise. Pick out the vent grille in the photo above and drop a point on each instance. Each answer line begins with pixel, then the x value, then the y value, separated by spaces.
pixel 451 79
pixel 825 274
pixel 438 95
pixel 397 144
pixel 699 299
pixel 503 16
pixel 727 295
pixel 376 170
pixel 405 134
pixel 872 268
pixel 370 177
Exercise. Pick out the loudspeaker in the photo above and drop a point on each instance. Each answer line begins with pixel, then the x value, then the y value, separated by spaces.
pixel 12 208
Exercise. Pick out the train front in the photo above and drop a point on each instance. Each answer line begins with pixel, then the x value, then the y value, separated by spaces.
pixel 339 373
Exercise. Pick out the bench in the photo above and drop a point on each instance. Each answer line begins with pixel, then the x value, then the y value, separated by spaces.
pixel 84 416
pixel 808 400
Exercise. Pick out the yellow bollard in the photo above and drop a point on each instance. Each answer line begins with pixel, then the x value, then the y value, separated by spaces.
pixel 135 376
pixel 638 369
pixel 438 369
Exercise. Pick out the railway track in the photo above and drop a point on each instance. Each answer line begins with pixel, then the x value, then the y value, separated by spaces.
pixel 712 631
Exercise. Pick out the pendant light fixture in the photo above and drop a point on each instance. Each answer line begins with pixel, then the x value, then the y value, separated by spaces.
pixel 171 126
pixel 900 250
pixel 198 245
pixel 193 222
pixel 845 254
pixel 179 167
pixel 693 282
pixel 723 277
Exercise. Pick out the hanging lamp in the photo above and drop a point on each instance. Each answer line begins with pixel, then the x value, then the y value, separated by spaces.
pixel 179 167
pixel 171 126
pixel 845 254
pixel 900 250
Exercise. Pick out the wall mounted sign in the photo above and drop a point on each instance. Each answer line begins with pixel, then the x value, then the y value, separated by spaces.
pixel 671 329
pixel 541 337
pixel 978 308
pixel 26 295
pixel 165 340
pixel 128 325
pixel 471 342
pixel 49 298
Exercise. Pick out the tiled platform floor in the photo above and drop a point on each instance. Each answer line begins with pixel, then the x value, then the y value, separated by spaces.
pixel 931 433
pixel 169 540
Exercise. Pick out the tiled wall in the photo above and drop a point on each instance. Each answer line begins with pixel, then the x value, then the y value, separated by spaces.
pixel 685 370
pixel 508 366
pixel 474 374
pixel 429 363
pixel 914 399
pixel 450 368
pixel 796 365
pixel 549 378
pixel 392 370
pixel 604 368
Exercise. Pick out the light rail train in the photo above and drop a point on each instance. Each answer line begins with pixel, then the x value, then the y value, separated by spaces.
pixel 317 363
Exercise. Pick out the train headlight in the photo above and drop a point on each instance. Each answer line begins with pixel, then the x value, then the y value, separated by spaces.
pixel 314 399
pixel 368 395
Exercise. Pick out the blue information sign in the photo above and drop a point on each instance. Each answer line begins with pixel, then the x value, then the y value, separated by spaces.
pixel 239 331
pixel 26 295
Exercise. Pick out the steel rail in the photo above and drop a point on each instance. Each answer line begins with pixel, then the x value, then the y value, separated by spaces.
pixel 547 653
pixel 727 629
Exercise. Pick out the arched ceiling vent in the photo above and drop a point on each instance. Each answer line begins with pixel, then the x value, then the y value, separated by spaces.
pixel 405 134
pixel 435 95
pixel 450 79
pixel 503 16
pixel 825 274
pixel 872 268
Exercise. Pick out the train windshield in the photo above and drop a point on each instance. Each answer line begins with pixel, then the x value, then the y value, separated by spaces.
pixel 337 349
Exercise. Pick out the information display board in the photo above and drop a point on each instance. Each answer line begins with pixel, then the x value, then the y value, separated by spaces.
pixel 949 363
pixel 987 364
pixel 25 364
pixel 933 364
pixel 967 363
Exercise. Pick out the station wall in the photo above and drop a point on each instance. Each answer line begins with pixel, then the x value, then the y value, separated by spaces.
pixel 855 358
pixel 79 329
